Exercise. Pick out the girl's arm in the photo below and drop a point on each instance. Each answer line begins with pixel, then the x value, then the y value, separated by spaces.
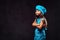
pixel 40 25
pixel 34 23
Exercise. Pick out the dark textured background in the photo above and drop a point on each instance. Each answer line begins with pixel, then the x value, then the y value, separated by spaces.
pixel 16 17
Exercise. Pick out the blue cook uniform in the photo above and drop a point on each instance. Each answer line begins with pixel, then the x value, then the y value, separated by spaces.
pixel 40 34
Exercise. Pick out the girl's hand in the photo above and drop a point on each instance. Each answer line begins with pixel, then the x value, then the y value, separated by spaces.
pixel 40 25
pixel 44 25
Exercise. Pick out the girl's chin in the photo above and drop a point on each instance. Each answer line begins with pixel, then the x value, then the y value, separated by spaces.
pixel 37 15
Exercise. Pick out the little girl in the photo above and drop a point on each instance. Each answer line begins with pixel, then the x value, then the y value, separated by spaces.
pixel 40 23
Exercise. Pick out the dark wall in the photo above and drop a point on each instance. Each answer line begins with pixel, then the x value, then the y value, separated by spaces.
pixel 18 15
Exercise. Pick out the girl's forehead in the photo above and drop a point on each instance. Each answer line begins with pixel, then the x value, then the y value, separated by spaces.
pixel 38 10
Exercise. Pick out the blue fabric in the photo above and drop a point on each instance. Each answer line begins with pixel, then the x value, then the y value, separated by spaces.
pixel 41 8
pixel 39 34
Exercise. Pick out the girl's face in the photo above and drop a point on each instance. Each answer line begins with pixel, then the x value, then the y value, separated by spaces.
pixel 37 12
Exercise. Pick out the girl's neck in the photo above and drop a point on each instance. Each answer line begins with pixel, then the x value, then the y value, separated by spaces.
pixel 40 16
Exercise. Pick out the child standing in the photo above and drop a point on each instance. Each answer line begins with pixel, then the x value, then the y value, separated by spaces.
pixel 40 23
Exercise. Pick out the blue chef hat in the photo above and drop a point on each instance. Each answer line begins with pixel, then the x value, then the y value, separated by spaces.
pixel 41 8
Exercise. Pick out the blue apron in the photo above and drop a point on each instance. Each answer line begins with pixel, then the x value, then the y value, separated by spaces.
pixel 39 34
